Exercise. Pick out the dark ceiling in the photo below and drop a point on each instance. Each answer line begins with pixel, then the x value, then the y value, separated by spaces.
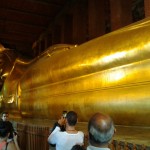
pixel 22 21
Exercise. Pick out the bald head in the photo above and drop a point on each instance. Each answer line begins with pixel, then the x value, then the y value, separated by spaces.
pixel 101 129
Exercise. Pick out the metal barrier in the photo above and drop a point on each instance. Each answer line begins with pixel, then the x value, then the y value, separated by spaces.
pixel 32 137
pixel 120 145
pixel 22 140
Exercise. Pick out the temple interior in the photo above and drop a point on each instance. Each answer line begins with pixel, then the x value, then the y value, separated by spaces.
pixel 87 56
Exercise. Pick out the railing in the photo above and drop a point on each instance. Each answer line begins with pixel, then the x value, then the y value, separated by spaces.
pixel 34 137
pixel 22 136
pixel 120 145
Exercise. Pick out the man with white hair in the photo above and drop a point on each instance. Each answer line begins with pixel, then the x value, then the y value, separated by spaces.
pixel 101 130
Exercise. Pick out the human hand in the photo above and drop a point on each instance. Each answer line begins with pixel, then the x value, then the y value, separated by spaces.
pixel 61 121
pixel 15 136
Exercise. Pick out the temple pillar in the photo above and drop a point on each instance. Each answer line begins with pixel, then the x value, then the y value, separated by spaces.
pixel 79 13
pixel 56 35
pixel 67 29
pixel 48 40
pixel 147 8
pixel 96 18
pixel 120 13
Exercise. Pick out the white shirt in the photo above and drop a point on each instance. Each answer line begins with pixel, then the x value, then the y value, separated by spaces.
pixel 64 140
pixel 96 148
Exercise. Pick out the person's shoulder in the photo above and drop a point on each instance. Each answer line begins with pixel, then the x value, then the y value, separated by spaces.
pixel 1 120
pixel 8 123
pixel 81 133
pixel 58 132
pixel 90 147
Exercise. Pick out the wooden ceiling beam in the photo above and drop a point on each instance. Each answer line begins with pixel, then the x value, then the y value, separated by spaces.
pixel 17 34
pixel 21 46
pixel 17 38
pixel 69 4
pixel 49 2
pixel 30 6
pixel 13 42
pixel 22 21
pixel 20 27
pixel 21 34
pixel 5 11
pixel 3 21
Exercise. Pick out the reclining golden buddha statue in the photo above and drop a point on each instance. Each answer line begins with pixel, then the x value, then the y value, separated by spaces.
pixel 109 74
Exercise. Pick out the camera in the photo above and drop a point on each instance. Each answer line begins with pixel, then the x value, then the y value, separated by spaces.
pixel 64 114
